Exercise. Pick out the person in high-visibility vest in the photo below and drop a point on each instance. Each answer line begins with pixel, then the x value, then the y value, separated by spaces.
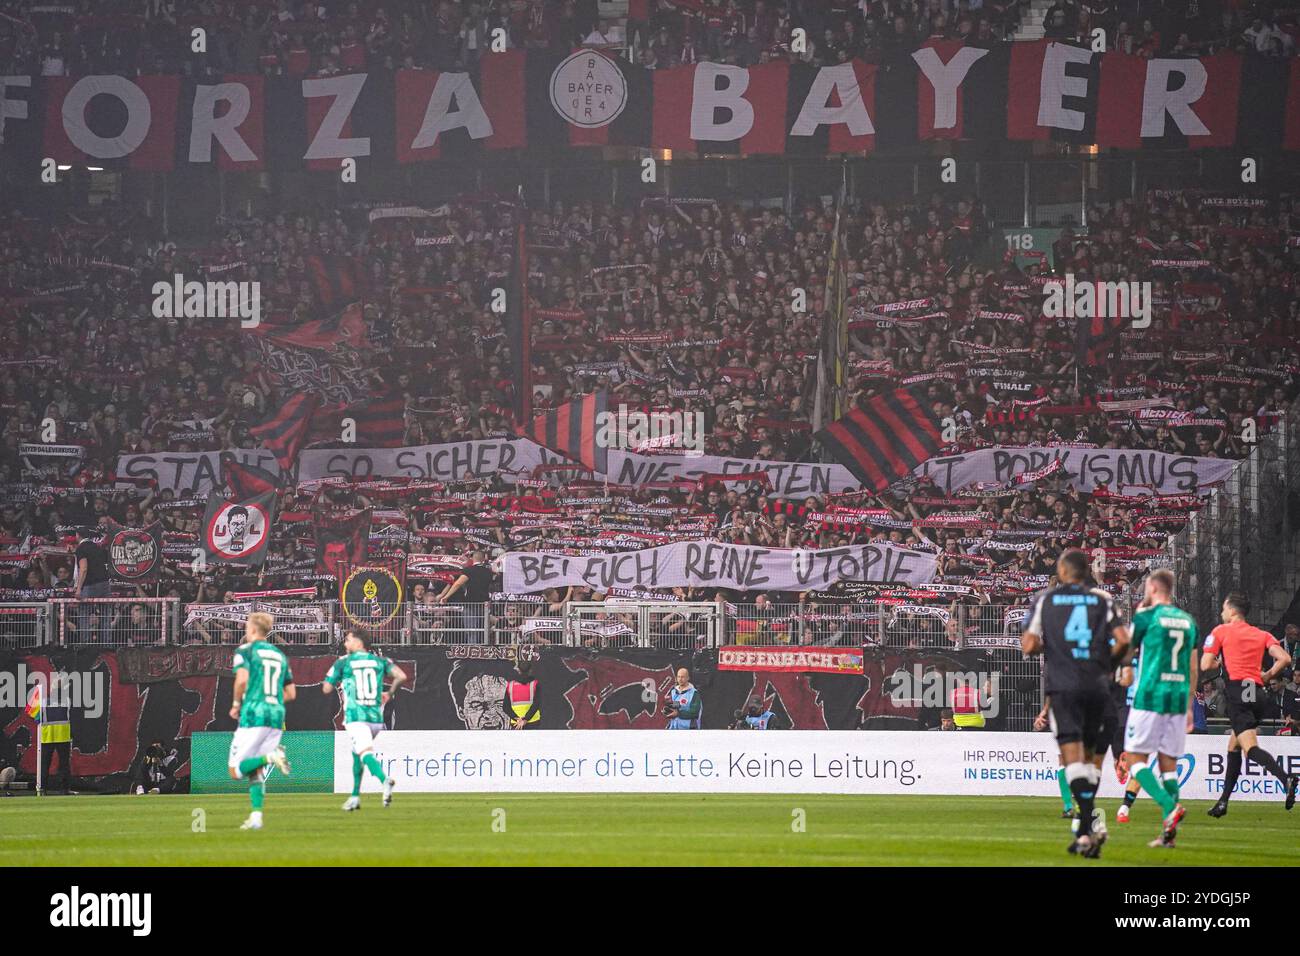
pixel 966 712
pixel 56 733
pixel 523 700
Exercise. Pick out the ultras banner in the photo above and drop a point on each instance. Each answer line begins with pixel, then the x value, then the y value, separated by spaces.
pixel 1117 469
pixel 514 100
pixel 714 564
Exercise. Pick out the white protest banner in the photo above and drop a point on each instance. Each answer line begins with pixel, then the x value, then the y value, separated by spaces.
pixel 971 763
pixel 452 461
pixel 196 472
pixel 1089 468
pixel 793 479
pixel 740 567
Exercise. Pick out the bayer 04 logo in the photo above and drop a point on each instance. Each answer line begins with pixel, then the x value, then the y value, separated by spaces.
pixel 588 89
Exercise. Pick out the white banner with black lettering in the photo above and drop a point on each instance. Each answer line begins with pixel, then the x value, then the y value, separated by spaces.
pixel 741 567
pixel 1121 470
pixel 965 763
pixel 792 479
pixel 452 461
pixel 188 473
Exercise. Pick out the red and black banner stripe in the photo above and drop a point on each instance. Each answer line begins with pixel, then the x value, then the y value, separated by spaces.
pixel 245 480
pixel 883 441
pixel 572 430
pixel 1096 335
pixel 526 99
pixel 286 430
pixel 379 422
pixel 336 280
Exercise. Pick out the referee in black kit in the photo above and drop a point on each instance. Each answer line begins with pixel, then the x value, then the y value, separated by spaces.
pixel 1079 633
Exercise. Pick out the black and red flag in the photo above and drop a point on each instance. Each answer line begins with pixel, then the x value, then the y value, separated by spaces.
pixel 245 480
pixel 573 430
pixel 883 441
pixel 1096 335
pixel 341 540
pixel 380 422
pixel 135 555
pixel 286 430
pixel 336 280
pixel 238 530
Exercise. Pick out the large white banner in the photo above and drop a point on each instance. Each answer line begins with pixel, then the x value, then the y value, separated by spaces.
pixel 964 763
pixel 185 473
pixel 741 567
pixel 452 461
pixel 1120 469
pixel 793 479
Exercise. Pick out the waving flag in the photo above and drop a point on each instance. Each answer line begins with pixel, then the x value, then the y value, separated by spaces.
pixel 571 430
pixel 247 481
pixel 884 441
pixel 380 421
pixel 34 703
pixel 286 430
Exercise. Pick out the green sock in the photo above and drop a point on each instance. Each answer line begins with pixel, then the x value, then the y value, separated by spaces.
pixel 1170 781
pixel 250 764
pixel 372 763
pixel 356 776
pixel 256 793
pixel 1151 785
pixel 1067 798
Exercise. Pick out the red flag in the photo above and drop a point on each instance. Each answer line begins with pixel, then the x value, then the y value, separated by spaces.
pixel 380 422
pixel 285 431
pixel 884 441
pixel 571 430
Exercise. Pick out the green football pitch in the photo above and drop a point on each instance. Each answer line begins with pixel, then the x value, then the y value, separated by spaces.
pixel 618 829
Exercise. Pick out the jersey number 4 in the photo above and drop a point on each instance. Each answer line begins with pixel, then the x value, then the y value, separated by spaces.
pixel 1078 633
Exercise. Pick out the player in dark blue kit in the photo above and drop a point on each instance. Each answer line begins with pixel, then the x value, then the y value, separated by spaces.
pixel 1079 633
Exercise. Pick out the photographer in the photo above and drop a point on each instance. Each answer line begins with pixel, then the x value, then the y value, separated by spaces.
pixel 157 770
pixel 754 717
pixel 685 706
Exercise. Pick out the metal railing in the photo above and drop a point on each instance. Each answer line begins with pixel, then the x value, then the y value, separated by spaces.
pixel 955 627
pixel 26 625
pixel 114 621
pixel 666 625
pixel 1247 537
pixel 614 623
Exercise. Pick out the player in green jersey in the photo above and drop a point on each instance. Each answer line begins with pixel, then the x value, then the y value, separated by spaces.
pixel 1160 716
pixel 263 685
pixel 360 676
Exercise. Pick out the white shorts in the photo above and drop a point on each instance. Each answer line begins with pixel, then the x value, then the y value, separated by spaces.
pixel 363 735
pixel 253 742
pixel 1150 733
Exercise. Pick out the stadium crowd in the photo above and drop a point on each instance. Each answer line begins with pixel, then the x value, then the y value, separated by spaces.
pixel 669 305
pixel 321 37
